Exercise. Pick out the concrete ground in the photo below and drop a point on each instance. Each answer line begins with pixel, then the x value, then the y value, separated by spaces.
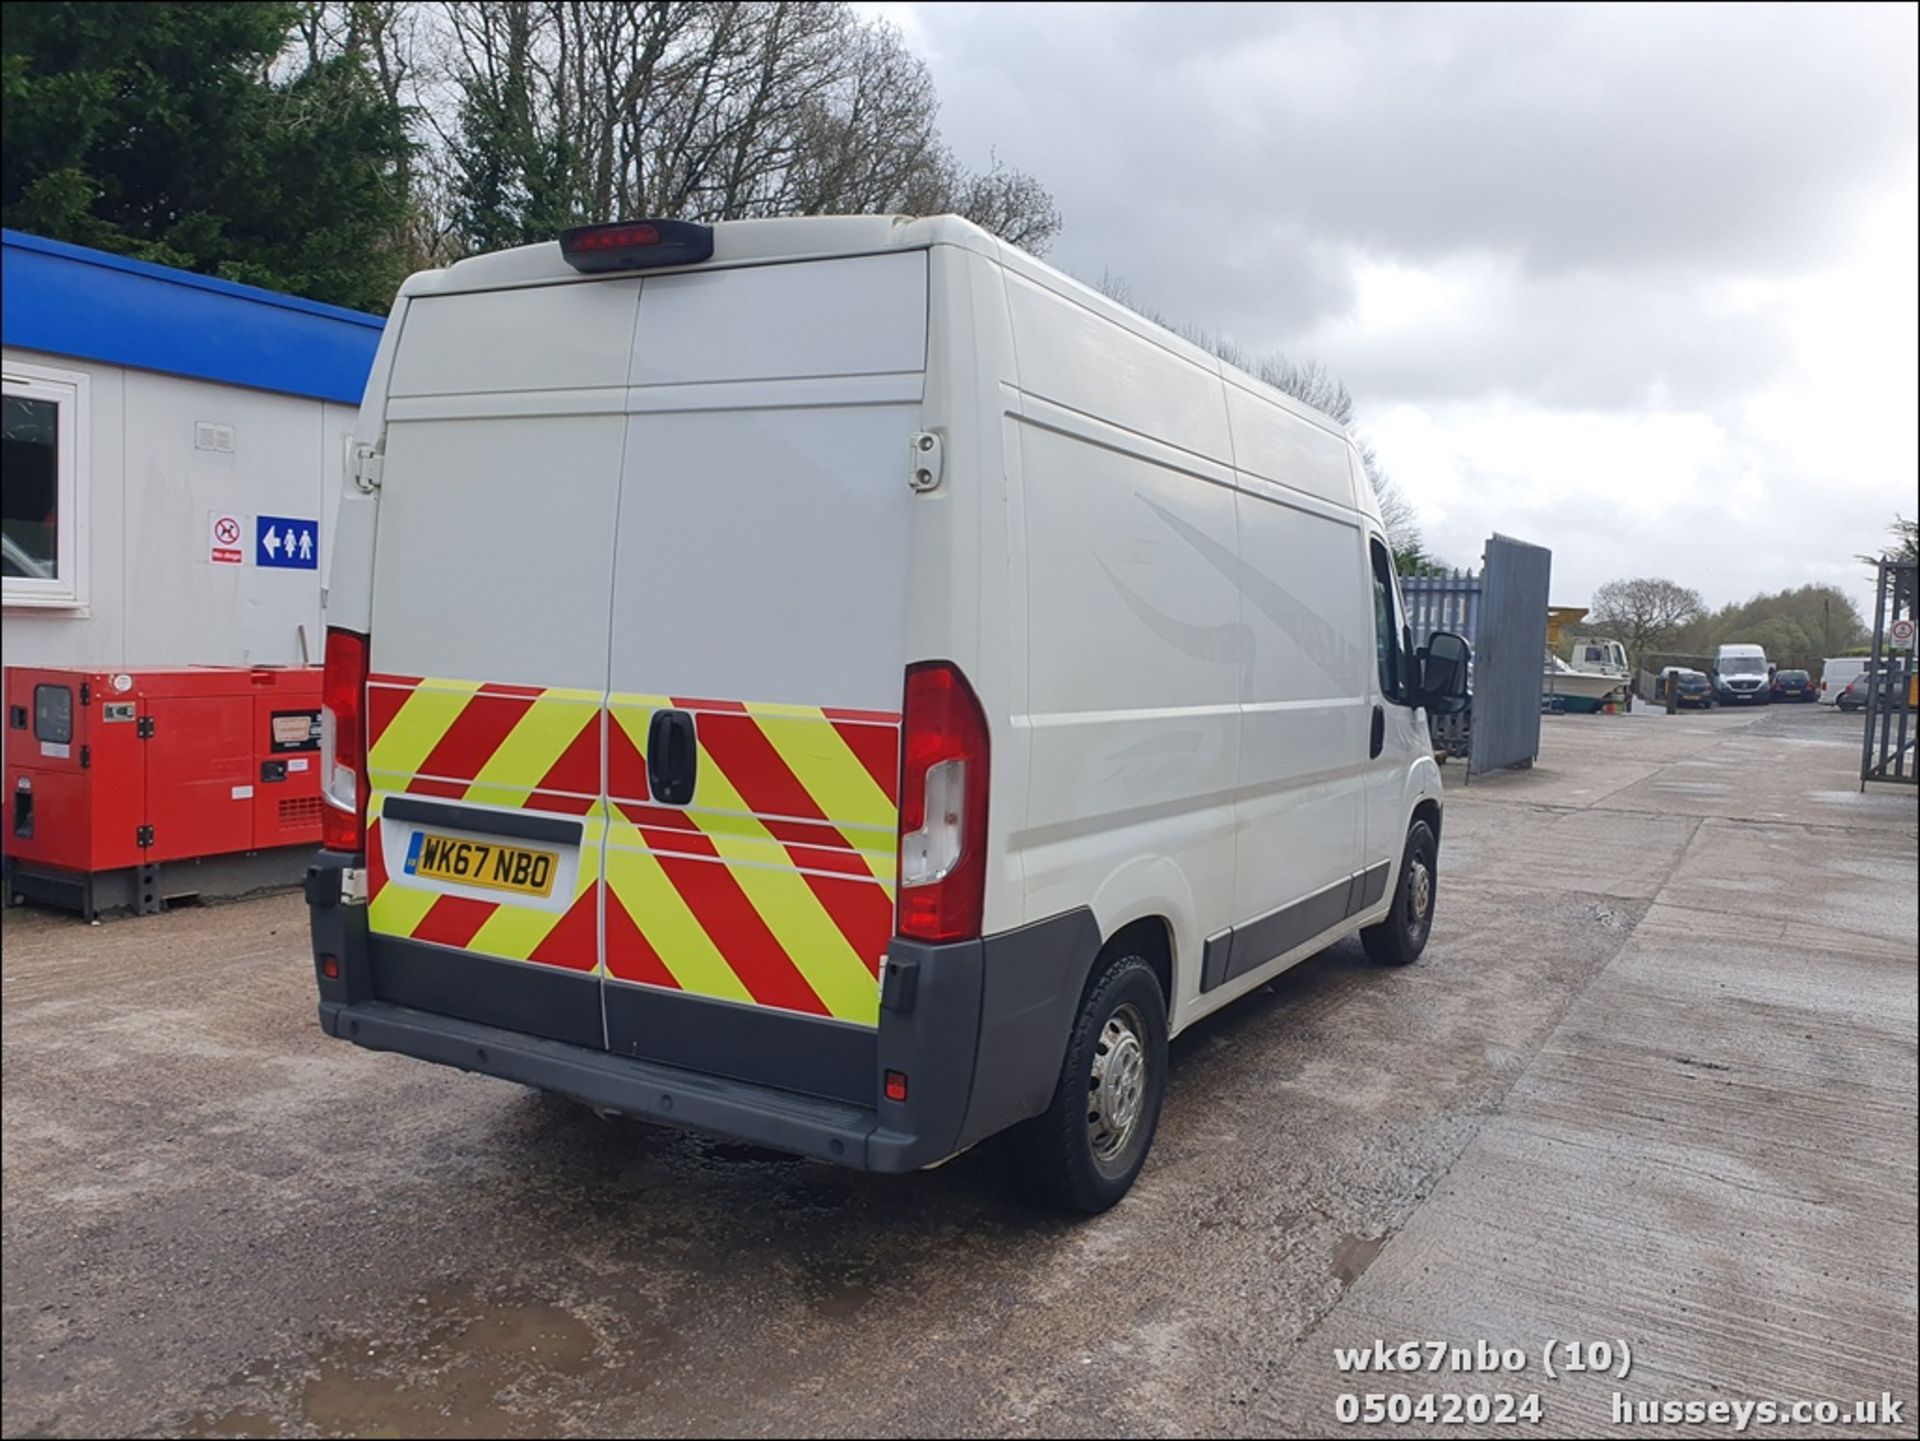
pixel 1653 1083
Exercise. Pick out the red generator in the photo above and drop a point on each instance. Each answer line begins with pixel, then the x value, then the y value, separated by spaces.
pixel 133 788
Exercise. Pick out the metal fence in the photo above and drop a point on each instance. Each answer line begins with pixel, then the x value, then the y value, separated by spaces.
pixel 1887 747
pixel 1445 602
pixel 1442 602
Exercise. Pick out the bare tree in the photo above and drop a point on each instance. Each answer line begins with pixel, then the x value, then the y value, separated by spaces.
pixel 570 111
pixel 1645 614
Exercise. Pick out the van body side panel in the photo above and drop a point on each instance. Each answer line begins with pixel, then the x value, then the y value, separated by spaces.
pixel 1304 736
pixel 757 599
pixel 1135 641
pixel 1272 444
pixel 967 600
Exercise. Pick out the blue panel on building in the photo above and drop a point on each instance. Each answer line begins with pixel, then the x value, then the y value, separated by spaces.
pixel 68 300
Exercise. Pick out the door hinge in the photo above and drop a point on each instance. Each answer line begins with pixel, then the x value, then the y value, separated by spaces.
pixel 86 694
pixel 925 456
pixel 86 757
pixel 144 836
pixel 145 728
pixel 368 462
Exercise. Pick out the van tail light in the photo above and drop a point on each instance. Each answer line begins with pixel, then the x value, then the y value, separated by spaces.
pixel 943 806
pixel 343 742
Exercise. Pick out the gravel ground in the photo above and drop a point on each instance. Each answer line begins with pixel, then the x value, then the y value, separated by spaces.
pixel 1655 1080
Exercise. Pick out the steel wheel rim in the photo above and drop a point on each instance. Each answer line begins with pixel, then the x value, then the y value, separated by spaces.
pixel 1419 895
pixel 1117 1086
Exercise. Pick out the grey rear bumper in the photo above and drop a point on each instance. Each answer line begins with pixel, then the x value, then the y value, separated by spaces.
pixel 978 1028
pixel 806 1125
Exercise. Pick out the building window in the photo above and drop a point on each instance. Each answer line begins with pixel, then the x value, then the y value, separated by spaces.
pixel 43 486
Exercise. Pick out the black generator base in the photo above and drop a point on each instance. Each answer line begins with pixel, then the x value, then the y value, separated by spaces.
pixel 148 890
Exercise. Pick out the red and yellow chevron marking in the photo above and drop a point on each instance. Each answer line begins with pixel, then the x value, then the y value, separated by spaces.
pixel 774 888
pixel 505 746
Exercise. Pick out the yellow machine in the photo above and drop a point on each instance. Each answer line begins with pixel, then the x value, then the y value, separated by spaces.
pixel 1559 616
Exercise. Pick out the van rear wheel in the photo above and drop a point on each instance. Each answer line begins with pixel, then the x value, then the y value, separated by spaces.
pixel 1402 936
pixel 1082 1153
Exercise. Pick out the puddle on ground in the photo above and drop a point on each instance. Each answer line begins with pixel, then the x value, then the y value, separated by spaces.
pixel 1352 1255
pixel 452 1377
pixel 839 1297
pixel 234 1423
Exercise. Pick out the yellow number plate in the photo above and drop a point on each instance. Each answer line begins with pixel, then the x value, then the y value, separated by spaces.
pixel 481 863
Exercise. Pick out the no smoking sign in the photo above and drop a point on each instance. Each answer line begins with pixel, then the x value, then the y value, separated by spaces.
pixel 223 539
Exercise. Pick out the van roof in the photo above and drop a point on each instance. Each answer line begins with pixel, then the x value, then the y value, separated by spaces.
pixel 735 242
pixel 822 237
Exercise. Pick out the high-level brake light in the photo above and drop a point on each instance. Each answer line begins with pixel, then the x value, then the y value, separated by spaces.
pixel 636 245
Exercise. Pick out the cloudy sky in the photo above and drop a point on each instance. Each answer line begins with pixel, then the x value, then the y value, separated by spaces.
pixel 1634 283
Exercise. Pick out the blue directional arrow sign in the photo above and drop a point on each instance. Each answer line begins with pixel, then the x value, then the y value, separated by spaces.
pixel 286 542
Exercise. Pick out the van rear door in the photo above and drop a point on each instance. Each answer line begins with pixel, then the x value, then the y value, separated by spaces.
pixel 757 648
pixel 638 639
pixel 488 667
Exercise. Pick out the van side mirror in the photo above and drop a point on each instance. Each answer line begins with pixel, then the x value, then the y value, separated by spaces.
pixel 1443 674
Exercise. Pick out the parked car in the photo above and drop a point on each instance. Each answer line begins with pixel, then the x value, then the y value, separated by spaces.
pixel 1794 685
pixel 1835 672
pixel 1692 688
pixel 1894 690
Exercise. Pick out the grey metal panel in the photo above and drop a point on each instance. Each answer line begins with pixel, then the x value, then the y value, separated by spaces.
pixel 1888 744
pixel 1509 654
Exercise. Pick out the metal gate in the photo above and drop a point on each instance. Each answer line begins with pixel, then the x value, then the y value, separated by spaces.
pixel 1509 654
pixel 1887 747
pixel 1502 612
pixel 1442 602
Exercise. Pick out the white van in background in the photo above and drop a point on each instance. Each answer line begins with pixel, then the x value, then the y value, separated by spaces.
pixel 1741 676
pixel 1836 673
pixel 842 684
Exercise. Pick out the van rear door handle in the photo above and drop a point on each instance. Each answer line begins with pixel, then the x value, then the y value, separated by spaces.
pixel 673 756
pixel 1379 740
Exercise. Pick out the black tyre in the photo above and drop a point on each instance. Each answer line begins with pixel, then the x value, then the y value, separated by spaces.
pixel 1399 939
pixel 1084 1151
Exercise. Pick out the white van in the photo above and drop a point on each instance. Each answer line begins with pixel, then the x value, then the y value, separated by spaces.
pixel 841 684
pixel 1836 673
pixel 1742 676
